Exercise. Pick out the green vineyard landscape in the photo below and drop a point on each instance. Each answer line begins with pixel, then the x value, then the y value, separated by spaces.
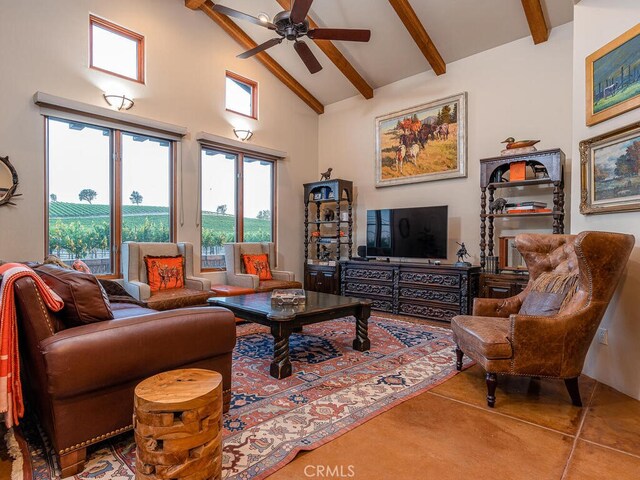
pixel 82 229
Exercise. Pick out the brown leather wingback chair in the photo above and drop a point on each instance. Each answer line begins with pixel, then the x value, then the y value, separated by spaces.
pixel 503 341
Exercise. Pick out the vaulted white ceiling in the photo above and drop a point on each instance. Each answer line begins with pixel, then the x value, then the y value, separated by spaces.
pixel 458 28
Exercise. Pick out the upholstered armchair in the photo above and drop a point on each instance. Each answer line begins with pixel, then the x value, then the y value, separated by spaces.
pixel 195 292
pixel 237 276
pixel 502 339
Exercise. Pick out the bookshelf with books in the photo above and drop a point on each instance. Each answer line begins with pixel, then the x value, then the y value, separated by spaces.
pixel 527 174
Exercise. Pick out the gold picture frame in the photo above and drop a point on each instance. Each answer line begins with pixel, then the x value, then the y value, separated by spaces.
pixel 609 176
pixel 613 78
pixel 423 143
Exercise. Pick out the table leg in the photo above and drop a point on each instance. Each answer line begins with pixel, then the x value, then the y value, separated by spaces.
pixel 362 342
pixel 281 364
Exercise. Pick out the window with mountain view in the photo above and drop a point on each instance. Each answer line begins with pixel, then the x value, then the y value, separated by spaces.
pixel 87 166
pixel 237 202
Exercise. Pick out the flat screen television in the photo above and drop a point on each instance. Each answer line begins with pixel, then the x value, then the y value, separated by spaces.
pixel 419 232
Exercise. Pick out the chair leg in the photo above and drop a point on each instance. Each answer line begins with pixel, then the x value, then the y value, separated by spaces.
pixel 459 355
pixel 492 383
pixel 574 390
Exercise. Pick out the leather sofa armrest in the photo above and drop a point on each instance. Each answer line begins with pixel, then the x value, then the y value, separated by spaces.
pixel 198 283
pixel 138 290
pixel 496 307
pixel 242 280
pixel 282 275
pixel 96 356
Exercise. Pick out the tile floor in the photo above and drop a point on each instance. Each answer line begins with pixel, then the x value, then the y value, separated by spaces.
pixel 534 433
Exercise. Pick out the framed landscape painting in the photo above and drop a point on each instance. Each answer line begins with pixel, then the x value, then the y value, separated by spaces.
pixel 610 171
pixel 423 143
pixel 613 78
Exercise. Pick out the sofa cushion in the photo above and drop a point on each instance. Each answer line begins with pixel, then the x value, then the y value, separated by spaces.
pixel 269 285
pixel 487 336
pixel 85 301
pixel 126 310
pixel 164 273
pixel 257 265
pixel 230 290
pixel 177 298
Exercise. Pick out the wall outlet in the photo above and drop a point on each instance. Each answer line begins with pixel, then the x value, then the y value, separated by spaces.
pixel 603 336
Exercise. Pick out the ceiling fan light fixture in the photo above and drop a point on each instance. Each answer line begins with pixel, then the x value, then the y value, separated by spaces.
pixel 263 17
pixel 242 134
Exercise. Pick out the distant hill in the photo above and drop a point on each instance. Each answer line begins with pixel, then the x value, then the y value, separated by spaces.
pixel 88 214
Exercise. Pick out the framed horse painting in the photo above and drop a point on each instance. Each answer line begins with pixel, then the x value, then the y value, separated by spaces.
pixel 423 143
pixel 613 78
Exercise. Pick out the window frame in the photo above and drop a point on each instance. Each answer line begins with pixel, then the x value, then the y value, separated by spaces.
pixel 254 93
pixel 115 187
pixel 239 193
pixel 123 32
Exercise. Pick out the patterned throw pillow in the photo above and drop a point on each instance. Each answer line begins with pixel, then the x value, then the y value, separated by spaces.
pixel 549 293
pixel 257 265
pixel 80 266
pixel 164 273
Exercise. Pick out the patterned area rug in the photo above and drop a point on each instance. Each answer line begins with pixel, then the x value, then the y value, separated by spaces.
pixel 332 390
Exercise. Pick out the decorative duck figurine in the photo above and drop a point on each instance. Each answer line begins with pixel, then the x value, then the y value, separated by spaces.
pixel 513 143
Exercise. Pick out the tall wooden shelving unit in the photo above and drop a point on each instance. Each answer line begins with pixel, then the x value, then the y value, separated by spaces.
pixel 491 174
pixel 336 194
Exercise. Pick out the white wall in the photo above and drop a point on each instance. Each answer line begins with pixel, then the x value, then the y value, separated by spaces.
pixel 517 89
pixel 44 47
pixel 597 22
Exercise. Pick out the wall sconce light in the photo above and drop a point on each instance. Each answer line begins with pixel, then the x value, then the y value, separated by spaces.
pixel 242 134
pixel 119 102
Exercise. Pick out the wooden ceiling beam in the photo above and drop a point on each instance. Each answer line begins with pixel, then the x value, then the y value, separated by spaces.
pixel 536 21
pixel 240 36
pixel 420 36
pixel 338 59
pixel 193 4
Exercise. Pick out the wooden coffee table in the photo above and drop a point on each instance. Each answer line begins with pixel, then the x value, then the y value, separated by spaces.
pixel 283 321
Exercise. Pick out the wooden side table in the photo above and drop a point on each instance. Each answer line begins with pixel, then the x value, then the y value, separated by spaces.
pixel 178 426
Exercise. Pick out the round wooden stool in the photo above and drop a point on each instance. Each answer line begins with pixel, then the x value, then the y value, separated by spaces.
pixel 178 426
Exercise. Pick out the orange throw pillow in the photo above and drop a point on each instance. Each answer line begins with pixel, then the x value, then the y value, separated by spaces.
pixel 257 265
pixel 164 273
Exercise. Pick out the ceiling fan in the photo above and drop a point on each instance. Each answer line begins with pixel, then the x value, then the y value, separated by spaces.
pixel 292 25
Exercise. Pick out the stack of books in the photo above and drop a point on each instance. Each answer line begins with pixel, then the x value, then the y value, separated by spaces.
pixel 528 207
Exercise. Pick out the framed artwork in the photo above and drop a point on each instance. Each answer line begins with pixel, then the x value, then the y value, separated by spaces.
pixel 423 143
pixel 509 256
pixel 613 78
pixel 610 168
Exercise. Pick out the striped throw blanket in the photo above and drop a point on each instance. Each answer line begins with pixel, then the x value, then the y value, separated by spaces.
pixel 11 403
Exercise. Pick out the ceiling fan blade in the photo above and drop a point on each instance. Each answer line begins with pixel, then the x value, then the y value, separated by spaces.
pixel 347 34
pixel 262 47
pixel 300 10
pixel 307 56
pixel 230 12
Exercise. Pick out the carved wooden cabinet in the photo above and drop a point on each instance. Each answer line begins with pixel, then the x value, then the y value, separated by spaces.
pixel 434 292
pixel 502 285
pixel 322 278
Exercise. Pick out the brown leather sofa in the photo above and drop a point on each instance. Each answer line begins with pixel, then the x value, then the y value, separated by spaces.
pixel 503 340
pixel 80 379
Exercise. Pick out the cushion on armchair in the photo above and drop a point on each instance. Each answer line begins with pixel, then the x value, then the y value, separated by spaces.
pixel 257 265
pixel 549 293
pixel 164 273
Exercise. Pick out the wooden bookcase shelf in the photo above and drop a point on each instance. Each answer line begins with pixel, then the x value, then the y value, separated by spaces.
pixel 494 284
pixel 322 277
